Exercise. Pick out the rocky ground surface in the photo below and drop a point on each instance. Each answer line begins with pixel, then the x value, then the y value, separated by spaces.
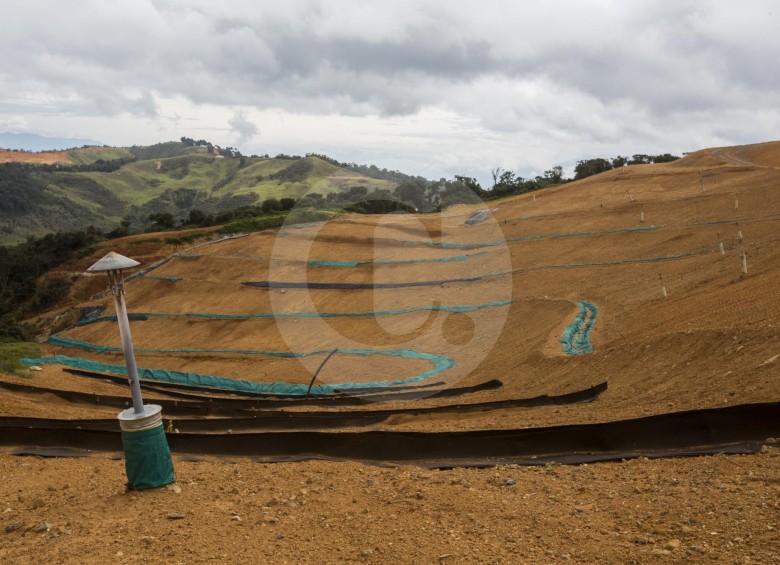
pixel 715 509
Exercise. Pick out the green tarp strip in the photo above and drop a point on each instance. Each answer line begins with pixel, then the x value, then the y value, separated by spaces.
pixel 147 458
pixel 476 245
pixel 160 277
pixel 323 263
pixel 440 363
pixel 575 338
pixel 358 286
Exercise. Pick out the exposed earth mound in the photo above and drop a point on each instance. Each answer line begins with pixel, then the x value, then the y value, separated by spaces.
pixel 634 278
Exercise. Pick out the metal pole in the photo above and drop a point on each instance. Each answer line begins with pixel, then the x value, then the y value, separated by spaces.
pixel 117 285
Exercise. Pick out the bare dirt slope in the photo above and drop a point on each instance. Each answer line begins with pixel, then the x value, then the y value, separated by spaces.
pixel 677 327
pixel 42 158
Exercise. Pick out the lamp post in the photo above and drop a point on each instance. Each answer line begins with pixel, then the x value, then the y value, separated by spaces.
pixel 147 455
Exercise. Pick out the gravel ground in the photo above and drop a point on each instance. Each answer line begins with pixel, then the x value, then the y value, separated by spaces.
pixel 715 509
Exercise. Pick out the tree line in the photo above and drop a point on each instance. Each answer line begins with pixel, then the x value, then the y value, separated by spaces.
pixel 21 266
pixel 210 147
pixel 589 167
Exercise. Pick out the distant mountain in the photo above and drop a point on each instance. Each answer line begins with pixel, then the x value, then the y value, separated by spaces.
pixel 101 186
pixel 35 142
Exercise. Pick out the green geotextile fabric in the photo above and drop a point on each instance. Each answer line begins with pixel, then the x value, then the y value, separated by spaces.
pixel 475 278
pixel 476 245
pixel 147 458
pixel 162 278
pixel 575 338
pixel 433 308
pixel 324 263
pixel 440 363
pixel 448 245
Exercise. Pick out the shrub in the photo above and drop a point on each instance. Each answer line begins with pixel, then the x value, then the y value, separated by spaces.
pixel 12 351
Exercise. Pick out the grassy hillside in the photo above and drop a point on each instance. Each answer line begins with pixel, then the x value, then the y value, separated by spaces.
pixel 87 155
pixel 100 186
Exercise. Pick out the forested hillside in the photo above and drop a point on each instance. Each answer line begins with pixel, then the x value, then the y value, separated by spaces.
pixel 102 187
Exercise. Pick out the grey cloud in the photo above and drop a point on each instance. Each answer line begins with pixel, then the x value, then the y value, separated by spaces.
pixel 211 55
pixel 242 127
pixel 563 72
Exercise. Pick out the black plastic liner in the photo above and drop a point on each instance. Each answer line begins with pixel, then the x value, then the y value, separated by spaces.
pixel 91 312
pixel 352 397
pixel 354 286
pixel 278 419
pixel 275 419
pixel 572 459
pixel 732 429
pixel 166 388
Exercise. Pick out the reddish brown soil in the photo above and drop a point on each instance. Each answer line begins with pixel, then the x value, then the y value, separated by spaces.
pixel 711 342
pixel 720 509
pixel 43 158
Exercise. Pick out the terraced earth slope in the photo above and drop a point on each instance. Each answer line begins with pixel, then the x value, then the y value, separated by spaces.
pixel 633 277
pixel 521 279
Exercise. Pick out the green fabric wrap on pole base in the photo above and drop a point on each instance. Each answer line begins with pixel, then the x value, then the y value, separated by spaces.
pixel 147 458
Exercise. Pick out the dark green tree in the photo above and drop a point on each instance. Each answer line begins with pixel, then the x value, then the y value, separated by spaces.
pixel 198 218
pixel 270 205
pixel 413 192
pixel 554 175
pixel 619 161
pixel 162 220
pixel 590 167
pixel 640 159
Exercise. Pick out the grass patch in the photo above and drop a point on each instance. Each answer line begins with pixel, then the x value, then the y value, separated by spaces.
pixel 267 222
pixel 145 240
pixel 12 351
pixel 307 215
pixel 189 238
pixel 258 223
pixel 87 155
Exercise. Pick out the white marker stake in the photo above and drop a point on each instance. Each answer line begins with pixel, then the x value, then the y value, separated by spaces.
pixel 663 286
pixel 736 203
pixel 722 250
pixel 642 216
pixel 744 263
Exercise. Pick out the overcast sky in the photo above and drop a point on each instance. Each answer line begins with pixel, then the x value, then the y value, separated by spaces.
pixel 435 88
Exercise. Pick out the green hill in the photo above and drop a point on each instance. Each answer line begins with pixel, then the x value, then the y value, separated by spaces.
pixel 101 186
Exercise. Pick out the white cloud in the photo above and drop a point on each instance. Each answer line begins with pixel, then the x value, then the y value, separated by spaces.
pixel 13 124
pixel 448 83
